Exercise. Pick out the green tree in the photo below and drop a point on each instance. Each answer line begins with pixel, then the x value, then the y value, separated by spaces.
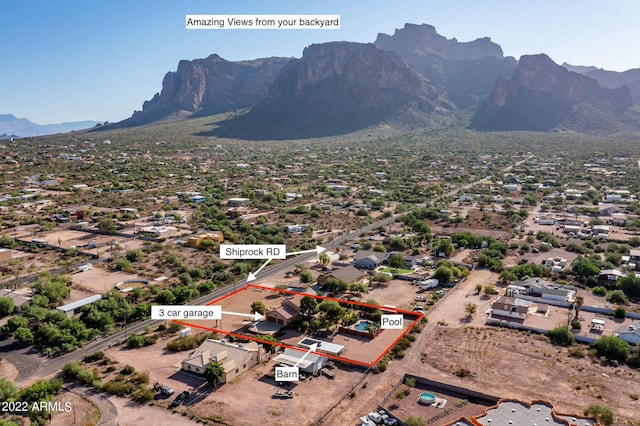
pixel 135 341
pixel 396 261
pixel 443 274
pixel 507 276
pixel 603 415
pixel 7 389
pixel 24 336
pixel 618 297
pixel 584 267
pixel 396 243
pixel 165 297
pixel 331 309
pixel 6 306
pixel 630 285
pixel 308 306
pixel 134 255
pixel 620 312
pixel 444 246
pixel 106 225
pixel 55 289
pixel 258 307
pixel 612 347
pixel 214 373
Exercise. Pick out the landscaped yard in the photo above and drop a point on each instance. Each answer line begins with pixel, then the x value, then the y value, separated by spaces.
pixel 400 271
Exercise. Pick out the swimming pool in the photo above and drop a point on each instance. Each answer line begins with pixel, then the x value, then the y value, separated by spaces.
pixel 363 325
pixel 426 398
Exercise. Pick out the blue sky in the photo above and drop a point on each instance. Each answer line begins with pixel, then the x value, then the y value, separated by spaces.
pixel 70 60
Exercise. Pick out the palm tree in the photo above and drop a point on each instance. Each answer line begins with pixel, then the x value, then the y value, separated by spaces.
pixel 578 304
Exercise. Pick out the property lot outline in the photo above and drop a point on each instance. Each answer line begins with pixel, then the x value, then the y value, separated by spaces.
pixel 416 317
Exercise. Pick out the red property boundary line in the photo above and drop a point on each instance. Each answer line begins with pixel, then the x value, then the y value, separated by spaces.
pixel 283 345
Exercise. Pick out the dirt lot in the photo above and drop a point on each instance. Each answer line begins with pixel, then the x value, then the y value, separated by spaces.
pixel 247 401
pixel 357 348
pixel 162 365
pixel 8 370
pixel 99 281
pixel 235 402
pixel 503 362
pixel 81 413
pixel 548 372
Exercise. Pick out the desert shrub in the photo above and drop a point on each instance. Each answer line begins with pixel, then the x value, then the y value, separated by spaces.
pixel 143 394
pixel 128 369
pixel 561 336
pixel 186 343
pixel 119 388
pixel 619 313
pixel 618 297
pixel 604 415
pixel 135 341
pixel 576 352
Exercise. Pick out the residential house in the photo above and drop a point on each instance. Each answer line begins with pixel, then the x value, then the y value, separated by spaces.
pixel 196 241
pixel 235 358
pixel 634 258
pixel 629 333
pixel 609 276
pixel 19 297
pixel 238 202
pixel 510 307
pixel 308 363
pixel 369 259
pixel 538 287
pixel 296 229
pixel 285 313
pixel 158 231
pixel 348 274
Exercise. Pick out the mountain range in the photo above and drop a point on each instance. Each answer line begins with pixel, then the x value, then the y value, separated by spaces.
pixel 410 77
pixel 11 126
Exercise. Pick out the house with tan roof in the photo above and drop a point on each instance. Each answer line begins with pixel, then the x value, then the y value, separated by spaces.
pixel 348 274
pixel 285 313
pixel 235 358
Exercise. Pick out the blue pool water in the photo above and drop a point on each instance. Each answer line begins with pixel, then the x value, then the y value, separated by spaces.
pixel 362 325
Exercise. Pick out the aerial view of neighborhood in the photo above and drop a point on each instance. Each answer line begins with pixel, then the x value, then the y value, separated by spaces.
pixel 407 229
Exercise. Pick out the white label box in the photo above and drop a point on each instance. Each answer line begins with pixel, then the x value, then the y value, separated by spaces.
pixel 391 322
pixel 182 312
pixel 253 251
pixel 287 374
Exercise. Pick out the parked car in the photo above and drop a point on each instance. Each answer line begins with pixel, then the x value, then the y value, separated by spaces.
pixel 164 389
pixel 182 396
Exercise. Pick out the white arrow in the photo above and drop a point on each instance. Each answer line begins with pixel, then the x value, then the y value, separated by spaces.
pixel 252 276
pixel 312 348
pixel 255 317
pixel 316 250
